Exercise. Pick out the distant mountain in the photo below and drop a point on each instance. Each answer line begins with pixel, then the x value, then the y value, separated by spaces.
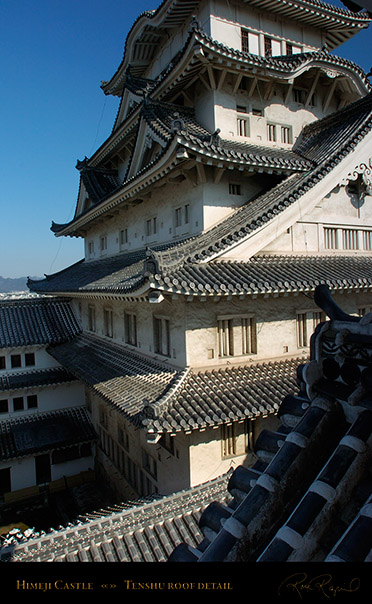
pixel 14 285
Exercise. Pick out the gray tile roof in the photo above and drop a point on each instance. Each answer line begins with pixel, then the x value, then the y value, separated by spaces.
pixel 127 274
pixel 142 533
pixel 28 322
pixel 39 432
pixel 159 398
pixel 309 500
pixel 35 379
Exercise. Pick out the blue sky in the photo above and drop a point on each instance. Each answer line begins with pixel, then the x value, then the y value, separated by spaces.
pixel 54 55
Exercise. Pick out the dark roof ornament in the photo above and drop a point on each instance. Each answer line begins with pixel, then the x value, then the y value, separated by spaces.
pixel 194 23
pixel 177 124
pixel 81 164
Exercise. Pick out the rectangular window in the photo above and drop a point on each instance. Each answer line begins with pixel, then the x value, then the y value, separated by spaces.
pixel 245 42
pixel 162 336
pixel 237 438
pixel 103 243
pixel 123 236
pixel 108 322
pixel 130 327
pixel 15 361
pixel 268 49
pixel 4 406
pixel 271 132
pixel 258 112
pixel 178 217
pixel 187 213
pixel 234 189
pixel 318 317
pixel 349 239
pixel 149 464
pixel 91 318
pixel 91 248
pixel 367 240
pixel 242 126
pixel 18 404
pixel 330 238
pixel 249 335
pixel 298 95
pixel 2 363
pixel 151 227
pixel 225 337
pixel 30 359
pixel 302 339
pixel 286 134
pixel 32 401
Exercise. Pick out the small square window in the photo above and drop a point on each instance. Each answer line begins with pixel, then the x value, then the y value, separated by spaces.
pixel 32 401
pixel 16 361
pixel 234 189
pixel 18 404
pixel 30 359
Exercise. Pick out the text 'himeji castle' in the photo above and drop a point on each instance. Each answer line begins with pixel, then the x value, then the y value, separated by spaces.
pixel 237 177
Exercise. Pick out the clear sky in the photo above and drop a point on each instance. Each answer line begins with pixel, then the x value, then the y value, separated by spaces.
pixel 54 55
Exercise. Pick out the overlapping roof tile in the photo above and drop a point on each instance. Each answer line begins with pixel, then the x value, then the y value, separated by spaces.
pixel 27 322
pixel 161 398
pixel 35 378
pixel 44 431
pixel 142 533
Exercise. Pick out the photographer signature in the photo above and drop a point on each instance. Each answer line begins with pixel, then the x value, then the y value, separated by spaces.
pixel 301 584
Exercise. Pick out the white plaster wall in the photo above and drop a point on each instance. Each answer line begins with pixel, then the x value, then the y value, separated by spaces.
pixel 49 398
pixel 227 18
pixel 276 326
pixel 338 209
pixel 171 309
pixel 43 360
pixel 72 468
pixel 22 472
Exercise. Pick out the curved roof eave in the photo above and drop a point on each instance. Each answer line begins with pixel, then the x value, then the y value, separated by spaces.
pixel 347 22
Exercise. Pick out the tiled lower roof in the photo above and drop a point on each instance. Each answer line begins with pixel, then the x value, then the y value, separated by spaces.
pixel 146 533
pixel 125 274
pixel 268 274
pixel 122 377
pixel 27 322
pixel 164 399
pixel 44 431
pixel 35 379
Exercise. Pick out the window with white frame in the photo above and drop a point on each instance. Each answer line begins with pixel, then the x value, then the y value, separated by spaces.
pixel 161 336
pixel 237 335
pixel 350 239
pixel 108 322
pixel 330 238
pixel 271 132
pixel 286 134
pixel 130 328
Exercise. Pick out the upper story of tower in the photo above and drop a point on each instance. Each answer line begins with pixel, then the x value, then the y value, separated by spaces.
pixel 214 97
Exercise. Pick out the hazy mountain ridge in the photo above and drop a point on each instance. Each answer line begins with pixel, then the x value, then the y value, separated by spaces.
pixel 8 284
